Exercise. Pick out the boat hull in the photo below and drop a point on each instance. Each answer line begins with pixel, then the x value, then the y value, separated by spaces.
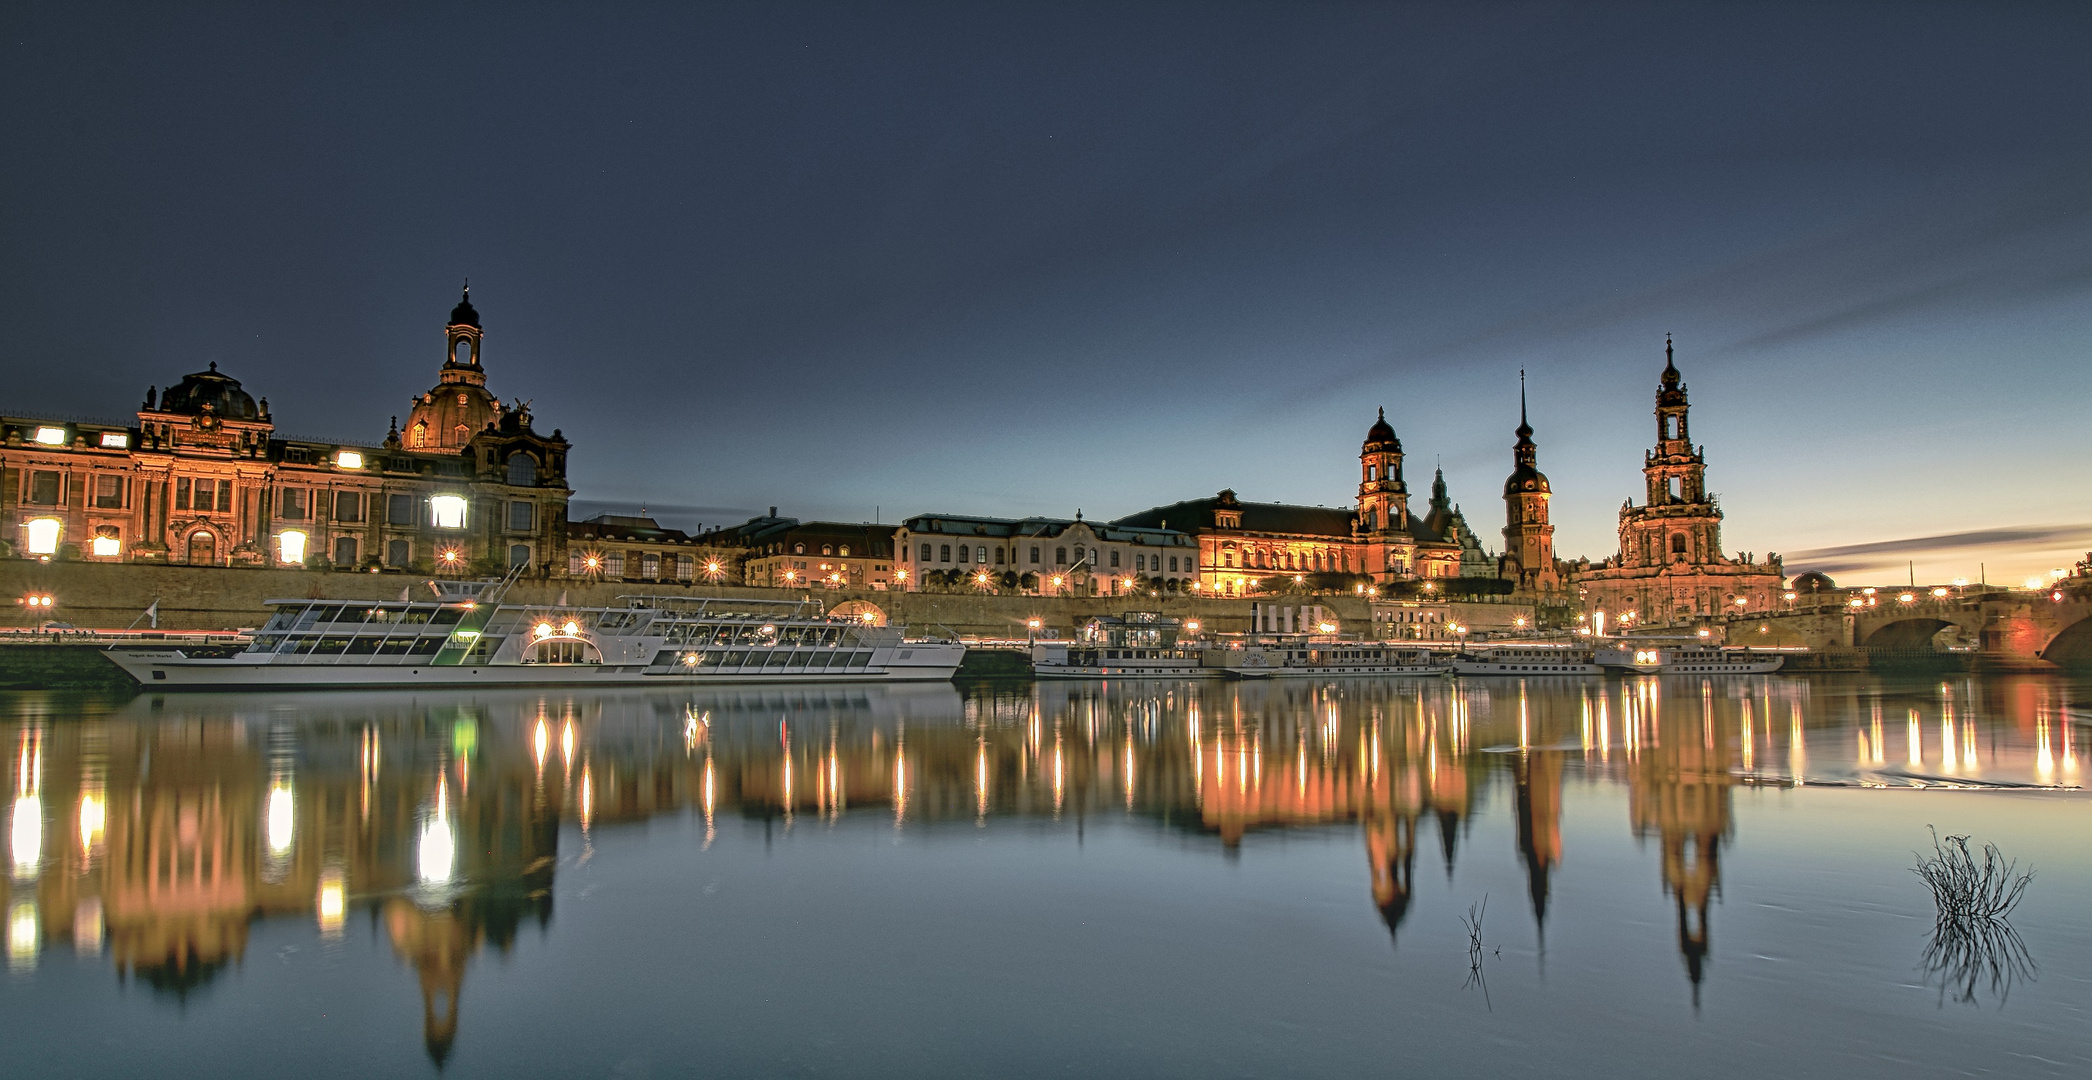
pixel 170 670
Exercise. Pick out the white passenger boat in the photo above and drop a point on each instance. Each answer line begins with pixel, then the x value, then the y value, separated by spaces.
pixel 1657 657
pixel 1303 656
pixel 466 636
pixel 1138 645
pixel 1525 659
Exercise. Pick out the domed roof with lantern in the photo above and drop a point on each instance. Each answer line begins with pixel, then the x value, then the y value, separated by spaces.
pixel 209 391
pixel 1381 436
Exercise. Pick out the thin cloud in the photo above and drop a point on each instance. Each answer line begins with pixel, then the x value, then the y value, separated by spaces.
pixel 1847 557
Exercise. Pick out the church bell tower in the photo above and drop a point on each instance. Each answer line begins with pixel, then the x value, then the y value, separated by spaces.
pixel 1528 561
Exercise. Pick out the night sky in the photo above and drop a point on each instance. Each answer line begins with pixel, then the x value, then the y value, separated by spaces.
pixel 1018 259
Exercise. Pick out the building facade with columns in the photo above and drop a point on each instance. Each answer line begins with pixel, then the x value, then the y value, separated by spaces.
pixel 1046 556
pixel 1670 569
pixel 203 479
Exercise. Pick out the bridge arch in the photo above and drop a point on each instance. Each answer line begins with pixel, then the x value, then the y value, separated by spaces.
pixel 2072 647
pixel 1912 633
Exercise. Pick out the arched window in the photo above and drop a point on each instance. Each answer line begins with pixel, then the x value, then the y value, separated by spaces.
pixel 419 437
pixel 844 551
pixel 798 549
pixel 1035 555
pixel 522 471
pixel 461 434
pixel 1678 543
pixel 944 553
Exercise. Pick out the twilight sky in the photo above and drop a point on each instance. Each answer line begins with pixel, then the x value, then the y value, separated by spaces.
pixel 1011 259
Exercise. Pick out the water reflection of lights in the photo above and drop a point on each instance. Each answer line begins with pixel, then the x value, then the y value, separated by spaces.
pixel 23 934
pixel 332 903
pixel 900 779
pixel 588 797
pixel 283 821
pixel 540 742
pixel 566 743
pixel 437 852
pixel 93 818
pixel 27 834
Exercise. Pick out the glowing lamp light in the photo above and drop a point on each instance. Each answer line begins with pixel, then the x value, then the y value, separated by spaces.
pixel 1032 624
pixel 1742 601
pixel 900 575
pixel 1788 595
pixel 290 546
pixel 2031 583
pixel 1191 625
pixel 1856 602
pixel 1961 583
pixel 1941 591
pixel 1327 628
pixel 570 628
pixel 348 459
pixel 1703 632
pixel 51 436
pixel 1907 598
pixel 43 535
pixel 447 511
pixel 542 630
pixel 791 576
pixel 451 556
pixel 1519 621
pixel 690 659
pixel 713 569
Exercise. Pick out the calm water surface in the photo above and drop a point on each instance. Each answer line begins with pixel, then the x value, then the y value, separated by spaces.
pixel 1157 879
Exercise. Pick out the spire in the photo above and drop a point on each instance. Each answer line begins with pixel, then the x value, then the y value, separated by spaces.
pixel 1525 430
pixel 1670 366
pixel 464 314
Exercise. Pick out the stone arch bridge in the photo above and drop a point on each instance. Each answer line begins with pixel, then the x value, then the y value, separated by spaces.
pixel 2006 629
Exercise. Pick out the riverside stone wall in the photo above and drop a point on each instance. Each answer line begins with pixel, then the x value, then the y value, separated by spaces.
pixel 111 596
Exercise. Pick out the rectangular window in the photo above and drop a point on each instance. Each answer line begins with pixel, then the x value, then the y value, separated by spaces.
pixel 944 553
pixel 206 494
pixel 45 488
pixel 1140 562
pixel 344 551
pixel 1173 563
pixel 225 496
pixel 1035 555
pixel 614 565
pixel 926 553
pixel 108 492
pixel 1114 558
pixel 348 506
pixel 116 440
pixel 447 511
pixel 107 542
pixel 181 493
pixel 292 504
pixel 522 515
pixel 399 510
pixel 398 552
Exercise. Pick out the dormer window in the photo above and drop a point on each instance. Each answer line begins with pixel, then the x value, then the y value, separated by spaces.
pixel 116 440
pixel 51 436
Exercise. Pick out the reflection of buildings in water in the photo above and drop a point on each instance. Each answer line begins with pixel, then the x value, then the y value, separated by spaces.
pixel 161 829
pixel 1679 789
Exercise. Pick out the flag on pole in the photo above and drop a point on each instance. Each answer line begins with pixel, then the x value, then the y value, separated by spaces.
pixel 153 613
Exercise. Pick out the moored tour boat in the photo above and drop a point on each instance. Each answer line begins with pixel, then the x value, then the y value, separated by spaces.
pixel 1524 659
pixel 466 636
pixel 1686 657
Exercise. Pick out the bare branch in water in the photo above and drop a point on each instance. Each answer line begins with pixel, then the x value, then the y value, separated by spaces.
pixel 1973 941
pixel 1473 922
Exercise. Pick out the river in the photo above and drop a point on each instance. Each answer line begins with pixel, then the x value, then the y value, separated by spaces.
pixel 1564 877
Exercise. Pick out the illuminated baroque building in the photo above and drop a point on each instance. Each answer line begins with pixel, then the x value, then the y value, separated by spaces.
pixel 1670 568
pixel 1241 544
pixel 203 480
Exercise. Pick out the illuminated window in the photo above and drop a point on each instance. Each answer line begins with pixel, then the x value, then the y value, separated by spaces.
pixel 51 436
pixel 844 551
pixel 419 436
pixel 447 511
pixel 43 535
pixel 348 459
pixel 107 543
pixel 290 546
pixel 116 440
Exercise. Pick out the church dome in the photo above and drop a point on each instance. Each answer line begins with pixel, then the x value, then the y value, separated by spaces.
pixel 1813 582
pixel 1381 433
pixel 1526 479
pixel 221 392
